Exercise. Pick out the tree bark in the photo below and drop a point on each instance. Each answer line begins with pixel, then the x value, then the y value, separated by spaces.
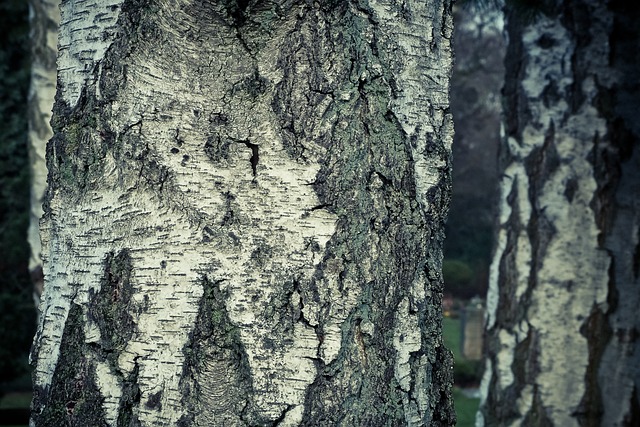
pixel 244 219
pixel 44 22
pixel 562 320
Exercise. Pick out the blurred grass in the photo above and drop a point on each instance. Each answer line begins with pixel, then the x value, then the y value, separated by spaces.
pixel 451 334
pixel 13 400
pixel 466 407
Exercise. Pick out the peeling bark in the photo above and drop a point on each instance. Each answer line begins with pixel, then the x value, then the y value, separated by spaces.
pixel 245 215
pixel 562 322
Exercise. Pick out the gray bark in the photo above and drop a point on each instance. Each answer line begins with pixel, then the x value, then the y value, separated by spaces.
pixel 562 321
pixel 244 219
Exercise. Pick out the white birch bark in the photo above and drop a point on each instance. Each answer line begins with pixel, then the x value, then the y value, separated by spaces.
pixel 564 276
pixel 44 21
pixel 244 219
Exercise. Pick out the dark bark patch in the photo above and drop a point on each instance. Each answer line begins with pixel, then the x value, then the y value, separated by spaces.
pixel 129 400
pixel 551 94
pixel 217 148
pixel 261 254
pixel 237 10
pixel 632 418
pixel 81 139
pixel 73 398
pixel 546 41
pixel 215 359
pixel 110 308
pixel 598 333
pixel 507 313
pixel 514 98
pixel 154 401
pixel 537 415
pixel 571 188
pixel 540 166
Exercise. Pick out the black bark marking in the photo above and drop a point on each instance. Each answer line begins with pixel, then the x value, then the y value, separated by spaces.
pixel 546 41
pixel 254 156
pixel 598 333
pixel 571 188
pixel 154 401
pixel 632 418
pixel 130 399
pixel 110 307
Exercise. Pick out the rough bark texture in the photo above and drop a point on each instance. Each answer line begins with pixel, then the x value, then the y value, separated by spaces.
pixel 245 212
pixel 562 307
pixel 44 22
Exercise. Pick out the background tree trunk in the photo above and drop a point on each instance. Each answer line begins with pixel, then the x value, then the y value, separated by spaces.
pixel 562 307
pixel 44 21
pixel 245 212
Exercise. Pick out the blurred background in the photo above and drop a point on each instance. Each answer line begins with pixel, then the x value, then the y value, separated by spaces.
pixel 478 75
pixel 17 308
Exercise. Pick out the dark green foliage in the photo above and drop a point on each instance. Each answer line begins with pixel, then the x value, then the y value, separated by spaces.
pixel 17 311
pixel 458 276
pixel 467 248
pixel 475 87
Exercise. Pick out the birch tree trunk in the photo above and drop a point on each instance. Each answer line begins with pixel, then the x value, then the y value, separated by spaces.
pixel 244 219
pixel 44 21
pixel 562 307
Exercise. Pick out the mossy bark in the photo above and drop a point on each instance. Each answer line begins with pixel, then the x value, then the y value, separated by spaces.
pixel 247 200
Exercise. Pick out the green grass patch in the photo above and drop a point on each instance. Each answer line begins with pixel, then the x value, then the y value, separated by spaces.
pixel 466 408
pixel 464 371
pixel 451 334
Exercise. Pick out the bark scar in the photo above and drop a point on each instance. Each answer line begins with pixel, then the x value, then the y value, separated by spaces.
pixel 254 156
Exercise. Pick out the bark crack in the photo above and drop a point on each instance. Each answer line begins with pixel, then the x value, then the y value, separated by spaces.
pixel 254 156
